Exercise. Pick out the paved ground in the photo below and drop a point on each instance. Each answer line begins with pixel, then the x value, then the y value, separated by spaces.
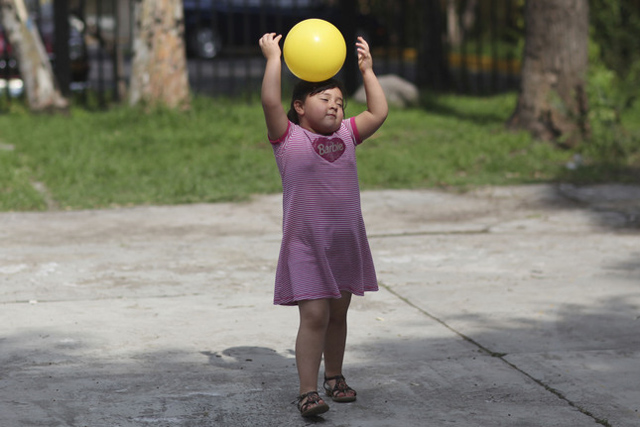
pixel 513 306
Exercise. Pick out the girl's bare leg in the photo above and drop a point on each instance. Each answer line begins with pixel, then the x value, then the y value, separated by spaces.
pixel 336 337
pixel 314 320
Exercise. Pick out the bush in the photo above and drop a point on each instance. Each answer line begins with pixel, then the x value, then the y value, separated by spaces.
pixel 614 75
pixel 615 28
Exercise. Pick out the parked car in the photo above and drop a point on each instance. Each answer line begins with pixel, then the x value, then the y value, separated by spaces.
pixel 9 73
pixel 9 70
pixel 213 27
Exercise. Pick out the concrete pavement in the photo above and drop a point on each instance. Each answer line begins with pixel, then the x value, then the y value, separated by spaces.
pixel 516 306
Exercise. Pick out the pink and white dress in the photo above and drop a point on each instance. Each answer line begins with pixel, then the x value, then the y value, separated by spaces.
pixel 324 242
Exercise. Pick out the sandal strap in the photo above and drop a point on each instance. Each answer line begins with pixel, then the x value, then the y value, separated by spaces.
pixel 337 378
pixel 312 398
pixel 340 385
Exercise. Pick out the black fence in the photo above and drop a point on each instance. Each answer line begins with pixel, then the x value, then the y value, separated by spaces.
pixel 471 46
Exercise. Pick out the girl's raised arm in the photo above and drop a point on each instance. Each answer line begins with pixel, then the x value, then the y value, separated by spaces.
pixel 372 118
pixel 271 93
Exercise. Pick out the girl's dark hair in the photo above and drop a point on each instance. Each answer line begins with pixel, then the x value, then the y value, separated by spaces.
pixel 303 88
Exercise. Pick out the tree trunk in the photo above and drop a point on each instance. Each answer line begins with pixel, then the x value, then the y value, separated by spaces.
pixel 159 74
pixel 35 69
pixel 454 33
pixel 457 28
pixel 552 103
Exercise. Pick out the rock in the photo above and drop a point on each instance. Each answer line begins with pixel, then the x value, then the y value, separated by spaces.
pixel 399 92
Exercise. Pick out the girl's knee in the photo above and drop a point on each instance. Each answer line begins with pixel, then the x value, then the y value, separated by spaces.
pixel 315 314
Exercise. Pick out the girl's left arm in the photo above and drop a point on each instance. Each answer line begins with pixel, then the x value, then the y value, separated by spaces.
pixel 370 120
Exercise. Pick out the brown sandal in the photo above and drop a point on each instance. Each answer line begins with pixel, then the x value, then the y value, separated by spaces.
pixel 340 390
pixel 313 405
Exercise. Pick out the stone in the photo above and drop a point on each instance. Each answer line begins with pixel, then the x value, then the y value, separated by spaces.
pixel 399 92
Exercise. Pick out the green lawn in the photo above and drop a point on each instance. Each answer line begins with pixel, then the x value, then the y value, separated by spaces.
pixel 218 152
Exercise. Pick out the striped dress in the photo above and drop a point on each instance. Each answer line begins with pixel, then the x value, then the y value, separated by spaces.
pixel 324 243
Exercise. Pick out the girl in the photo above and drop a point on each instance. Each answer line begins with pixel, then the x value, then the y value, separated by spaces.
pixel 324 256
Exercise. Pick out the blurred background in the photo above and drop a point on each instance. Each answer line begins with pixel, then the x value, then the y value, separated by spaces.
pixel 457 46
pixel 464 46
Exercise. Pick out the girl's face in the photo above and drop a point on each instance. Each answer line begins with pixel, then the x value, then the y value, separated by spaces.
pixel 322 112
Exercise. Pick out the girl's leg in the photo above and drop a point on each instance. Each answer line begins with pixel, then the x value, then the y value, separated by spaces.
pixel 336 337
pixel 314 319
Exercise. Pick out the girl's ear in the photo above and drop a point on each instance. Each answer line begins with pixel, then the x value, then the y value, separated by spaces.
pixel 299 107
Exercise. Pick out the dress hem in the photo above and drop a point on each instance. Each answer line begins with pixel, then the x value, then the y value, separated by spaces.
pixel 294 301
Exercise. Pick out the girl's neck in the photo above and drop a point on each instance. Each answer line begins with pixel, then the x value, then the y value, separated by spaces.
pixel 304 124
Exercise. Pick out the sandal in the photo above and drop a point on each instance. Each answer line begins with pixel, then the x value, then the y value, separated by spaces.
pixel 313 405
pixel 340 390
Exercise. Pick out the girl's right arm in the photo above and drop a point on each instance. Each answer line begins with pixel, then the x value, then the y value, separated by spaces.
pixel 271 93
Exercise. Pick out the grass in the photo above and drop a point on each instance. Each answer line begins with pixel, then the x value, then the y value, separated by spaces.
pixel 455 142
pixel 218 152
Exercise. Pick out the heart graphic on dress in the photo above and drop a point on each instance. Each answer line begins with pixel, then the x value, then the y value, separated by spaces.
pixel 329 149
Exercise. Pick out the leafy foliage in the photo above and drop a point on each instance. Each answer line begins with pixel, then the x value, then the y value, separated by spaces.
pixel 614 76
pixel 616 29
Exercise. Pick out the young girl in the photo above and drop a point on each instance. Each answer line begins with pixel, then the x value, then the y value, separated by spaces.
pixel 325 256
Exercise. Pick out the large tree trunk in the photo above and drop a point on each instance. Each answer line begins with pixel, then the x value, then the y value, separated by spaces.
pixel 35 69
pixel 552 104
pixel 457 28
pixel 159 75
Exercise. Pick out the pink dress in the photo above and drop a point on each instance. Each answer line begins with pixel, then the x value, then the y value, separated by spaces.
pixel 324 242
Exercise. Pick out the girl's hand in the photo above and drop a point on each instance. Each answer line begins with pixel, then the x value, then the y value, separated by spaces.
pixel 269 43
pixel 365 61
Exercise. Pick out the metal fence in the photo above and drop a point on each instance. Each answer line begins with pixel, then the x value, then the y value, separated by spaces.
pixel 470 46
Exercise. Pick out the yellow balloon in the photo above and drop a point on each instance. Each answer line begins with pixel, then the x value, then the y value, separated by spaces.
pixel 314 50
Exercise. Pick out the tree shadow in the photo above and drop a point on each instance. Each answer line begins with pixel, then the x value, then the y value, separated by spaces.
pixel 249 357
pixel 601 173
pixel 582 359
pixel 433 103
pixel 603 168
pixel 67 382
pixel 63 381
pixel 617 206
